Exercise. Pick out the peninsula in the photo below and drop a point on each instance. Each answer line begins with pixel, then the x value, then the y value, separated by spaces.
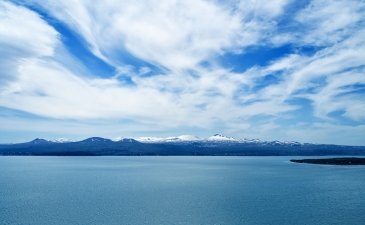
pixel 332 161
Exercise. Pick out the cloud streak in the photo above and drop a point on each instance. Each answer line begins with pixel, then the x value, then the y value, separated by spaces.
pixel 168 72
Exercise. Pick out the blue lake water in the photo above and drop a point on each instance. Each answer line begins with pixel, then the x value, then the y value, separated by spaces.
pixel 178 190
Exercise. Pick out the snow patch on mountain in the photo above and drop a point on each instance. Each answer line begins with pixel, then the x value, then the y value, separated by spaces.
pixel 250 141
pixel 188 137
pixel 219 137
pixel 181 138
pixel 61 140
pixel 149 139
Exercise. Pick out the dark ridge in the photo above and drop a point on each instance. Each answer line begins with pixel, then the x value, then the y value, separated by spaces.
pixel 129 140
pixel 96 139
pixel 39 141
pixel 332 161
pixel 101 146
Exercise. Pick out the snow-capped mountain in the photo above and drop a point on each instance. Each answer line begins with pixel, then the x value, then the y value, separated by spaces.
pixel 181 138
pixel 179 145
pixel 217 138
pixel 191 138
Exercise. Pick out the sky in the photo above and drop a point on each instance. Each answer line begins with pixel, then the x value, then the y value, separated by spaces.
pixel 275 70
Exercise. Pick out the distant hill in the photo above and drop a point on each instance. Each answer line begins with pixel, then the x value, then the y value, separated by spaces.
pixel 182 145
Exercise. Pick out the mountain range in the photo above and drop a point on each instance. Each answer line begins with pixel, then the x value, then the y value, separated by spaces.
pixel 180 145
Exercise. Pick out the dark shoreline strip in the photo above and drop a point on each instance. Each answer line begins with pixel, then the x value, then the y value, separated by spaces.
pixel 332 161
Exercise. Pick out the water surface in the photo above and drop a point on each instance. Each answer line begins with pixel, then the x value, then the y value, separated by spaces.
pixel 178 190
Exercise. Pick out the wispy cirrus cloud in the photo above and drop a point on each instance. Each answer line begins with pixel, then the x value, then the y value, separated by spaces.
pixel 171 34
pixel 166 64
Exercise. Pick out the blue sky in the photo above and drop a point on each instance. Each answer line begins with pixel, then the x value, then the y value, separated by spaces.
pixel 282 69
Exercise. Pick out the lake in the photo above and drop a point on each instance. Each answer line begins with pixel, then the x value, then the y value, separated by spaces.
pixel 178 190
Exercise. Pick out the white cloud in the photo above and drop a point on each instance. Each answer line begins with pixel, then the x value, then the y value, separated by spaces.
pixel 178 36
pixel 24 33
pixel 172 34
pixel 320 78
pixel 328 22
pixel 339 94
pixel 261 10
